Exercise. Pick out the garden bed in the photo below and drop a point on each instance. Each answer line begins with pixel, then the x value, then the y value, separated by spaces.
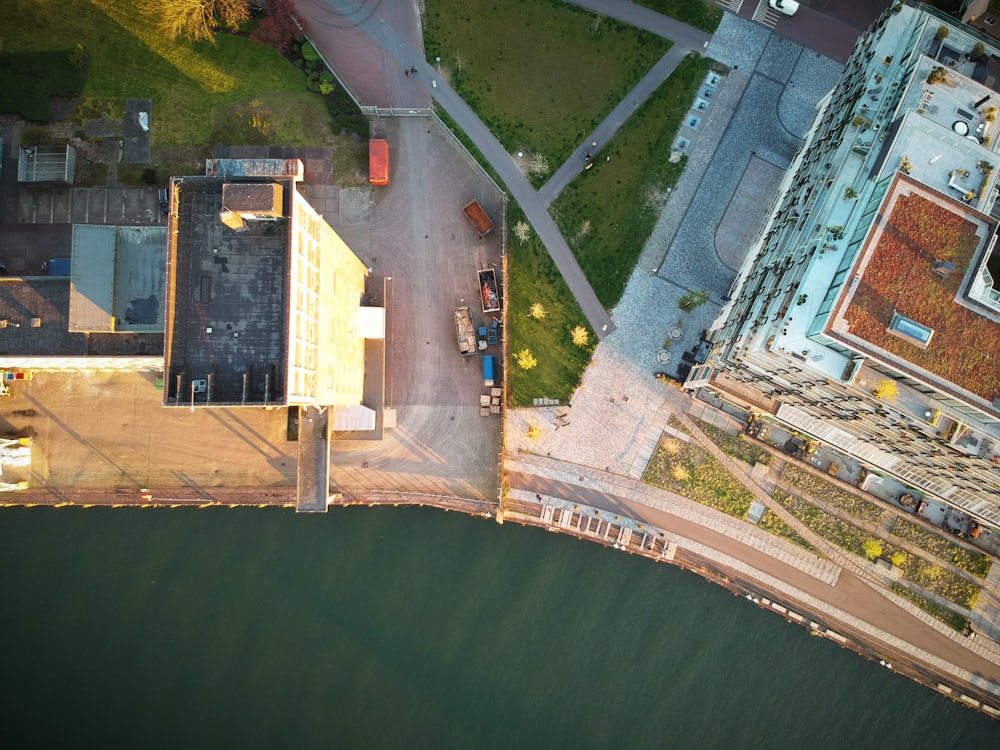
pixel 856 540
pixel 735 445
pixel 831 494
pixel 940 546
pixel 689 470
pixel 772 523
pixel 949 617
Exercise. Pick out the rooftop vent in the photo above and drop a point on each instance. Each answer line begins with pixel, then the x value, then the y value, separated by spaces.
pixel 944 267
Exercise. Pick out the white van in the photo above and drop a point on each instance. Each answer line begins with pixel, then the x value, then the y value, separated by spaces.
pixel 788 7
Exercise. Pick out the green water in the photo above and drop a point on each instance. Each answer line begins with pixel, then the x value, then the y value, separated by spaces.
pixel 409 628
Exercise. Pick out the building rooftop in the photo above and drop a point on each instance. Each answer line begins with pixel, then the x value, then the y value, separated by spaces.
pixel 227 301
pixel 117 278
pixel 46 301
pixel 901 308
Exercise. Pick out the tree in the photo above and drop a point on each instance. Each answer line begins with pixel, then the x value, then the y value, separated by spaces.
pixel 581 336
pixel 538 165
pixel 873 548
pixel 522 230
pixel 278 28
pixel 898 558
pixel 195 19
pixel 887 389
pixel 537 311
pixel 689 302
pixel 525 360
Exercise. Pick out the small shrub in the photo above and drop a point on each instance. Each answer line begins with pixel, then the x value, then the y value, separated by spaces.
pixel 309 53
pixel 580 335
pixel 690 301
pixel 78 57
pixel 525 360
pixel 537 311
pixel 873 548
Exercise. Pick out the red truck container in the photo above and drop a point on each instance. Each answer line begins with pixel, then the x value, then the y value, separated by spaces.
pixel 378 161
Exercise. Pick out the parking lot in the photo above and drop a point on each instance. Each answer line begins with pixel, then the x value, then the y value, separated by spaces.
pixel 414 233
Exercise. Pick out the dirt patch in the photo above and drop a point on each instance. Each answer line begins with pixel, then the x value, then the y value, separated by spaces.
pixel 350 160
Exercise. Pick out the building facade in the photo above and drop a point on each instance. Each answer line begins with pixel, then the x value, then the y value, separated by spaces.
pixel 865 315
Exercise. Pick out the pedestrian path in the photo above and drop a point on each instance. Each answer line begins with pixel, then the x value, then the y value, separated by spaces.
pixel 742 532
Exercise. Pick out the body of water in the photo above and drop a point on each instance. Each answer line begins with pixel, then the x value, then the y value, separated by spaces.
pixel 410 628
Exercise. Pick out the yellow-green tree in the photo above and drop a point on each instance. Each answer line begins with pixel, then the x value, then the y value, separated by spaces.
pixel 537 311
pixel 898 558
pixel 581 336
pixel 525 360
pixel 873 548
pixel 887 389
pixel 195 19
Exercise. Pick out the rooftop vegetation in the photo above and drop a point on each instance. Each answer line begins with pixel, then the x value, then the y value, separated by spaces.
pixel 900 278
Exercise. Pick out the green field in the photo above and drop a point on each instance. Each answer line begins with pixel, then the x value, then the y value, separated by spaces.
pixel 534 278
pixel 189 83
pixel 539 73
pixel 608 212
pixel 702 14
pixel 32 79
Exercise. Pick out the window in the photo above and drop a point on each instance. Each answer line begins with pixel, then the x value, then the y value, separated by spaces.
pixel 911 330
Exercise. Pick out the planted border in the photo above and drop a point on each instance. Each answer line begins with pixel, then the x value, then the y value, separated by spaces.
pixel 915 569
pixel 831 494
pixel 735 445
pixel 689 470
pixel 942 547
pixel 949 617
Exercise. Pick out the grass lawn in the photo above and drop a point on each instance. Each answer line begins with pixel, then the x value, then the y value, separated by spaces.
pixel 186 81
pixel 534 278
pixel 702 14
pixel 539 73
pixel 607 213
pixel 32 79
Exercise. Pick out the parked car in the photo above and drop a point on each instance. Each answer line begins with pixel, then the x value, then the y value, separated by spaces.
pixel 164 207
pixel 787 7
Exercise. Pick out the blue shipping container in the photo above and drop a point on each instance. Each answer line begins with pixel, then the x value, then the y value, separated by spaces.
pixel 56 267
pixel 488 369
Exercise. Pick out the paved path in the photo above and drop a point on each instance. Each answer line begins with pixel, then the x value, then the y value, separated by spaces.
pixel 326 21
pixel 794 572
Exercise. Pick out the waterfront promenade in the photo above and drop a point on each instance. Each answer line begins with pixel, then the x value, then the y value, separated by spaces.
pixel 592 454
